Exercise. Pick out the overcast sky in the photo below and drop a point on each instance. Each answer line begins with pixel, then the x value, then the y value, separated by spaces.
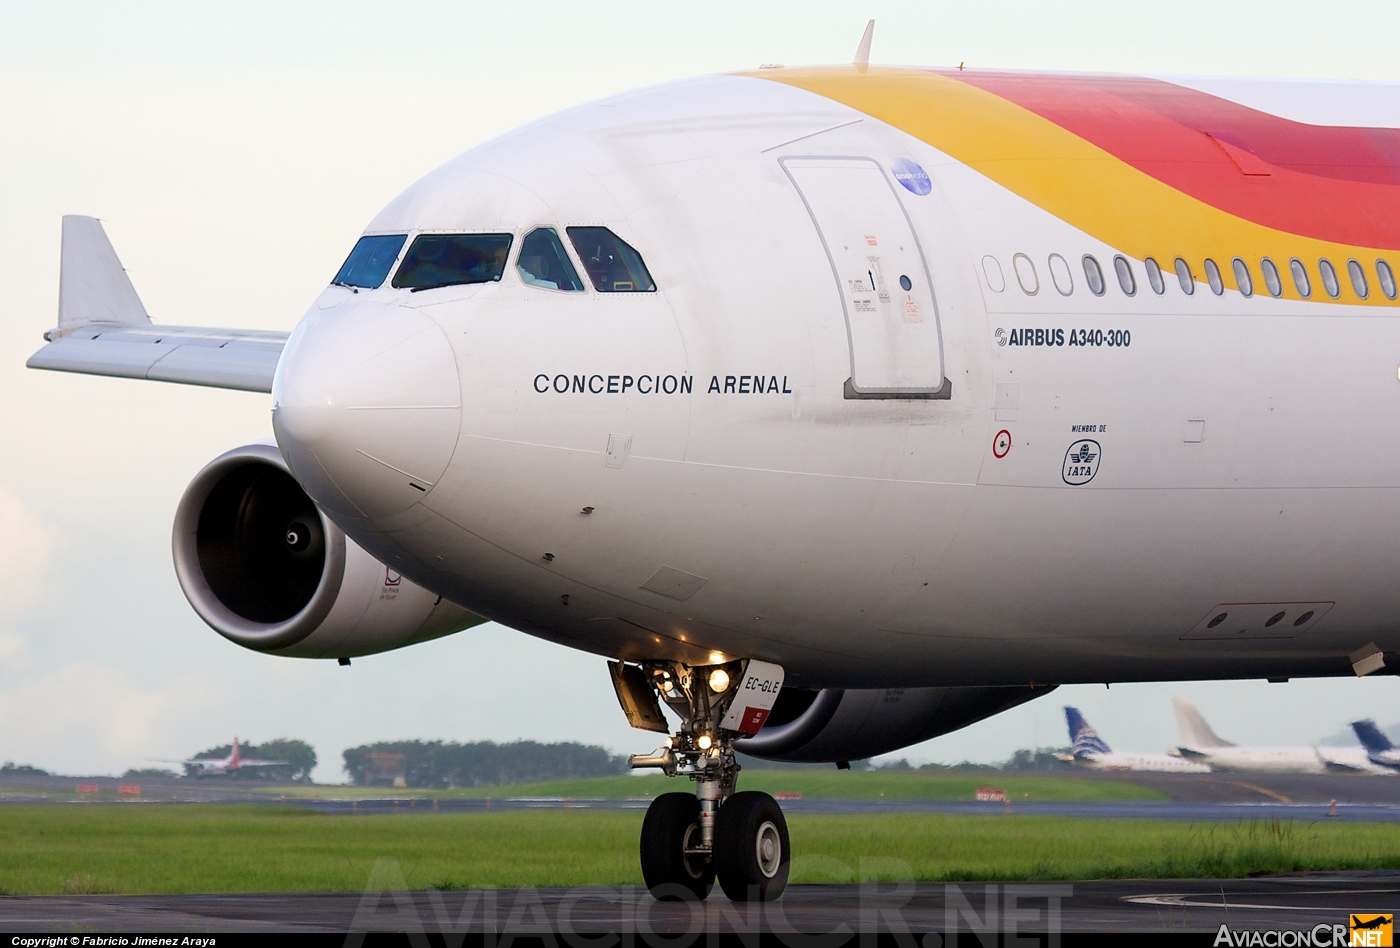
pixel 235 151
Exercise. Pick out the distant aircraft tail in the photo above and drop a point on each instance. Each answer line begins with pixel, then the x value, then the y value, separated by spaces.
pixel 233 759
pixel 1083 738
pixel 1371 737
pixel 1195 732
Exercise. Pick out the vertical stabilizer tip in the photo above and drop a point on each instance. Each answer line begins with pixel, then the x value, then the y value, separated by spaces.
pixel 863 50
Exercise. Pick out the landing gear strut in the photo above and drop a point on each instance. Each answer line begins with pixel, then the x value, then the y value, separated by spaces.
pixel 689 841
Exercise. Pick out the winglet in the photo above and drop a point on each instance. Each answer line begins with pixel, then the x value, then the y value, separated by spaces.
pixel 863 50
pixel 92 286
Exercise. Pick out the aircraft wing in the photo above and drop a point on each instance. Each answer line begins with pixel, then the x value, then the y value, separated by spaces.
pixel 103 328
pixel 167 760
pixel 264 763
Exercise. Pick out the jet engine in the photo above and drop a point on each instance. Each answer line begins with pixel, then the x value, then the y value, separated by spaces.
pixel 841 725
pixel 266 569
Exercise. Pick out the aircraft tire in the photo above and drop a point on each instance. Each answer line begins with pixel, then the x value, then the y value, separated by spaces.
pixel 752 855
pixel 672 821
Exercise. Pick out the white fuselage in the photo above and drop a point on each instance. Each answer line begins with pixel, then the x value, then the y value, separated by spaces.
pixel 1163 763
pixel 1285 759
pixel 738 503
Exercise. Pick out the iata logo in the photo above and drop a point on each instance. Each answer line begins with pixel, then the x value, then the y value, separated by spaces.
pixel 1081 462
pixel 1372 931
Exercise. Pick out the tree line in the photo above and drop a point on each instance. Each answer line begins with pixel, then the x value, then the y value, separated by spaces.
pixel 446 764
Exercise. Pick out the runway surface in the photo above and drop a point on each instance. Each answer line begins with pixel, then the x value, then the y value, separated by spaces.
pixel 1295 901
pixel 1181 810
pixel 1222 788
pixel 1134 809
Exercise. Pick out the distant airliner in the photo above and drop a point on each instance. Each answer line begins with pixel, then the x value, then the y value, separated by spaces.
pixel 1090 750
pixel 1200 742
pixel 905 392
pixel 234 762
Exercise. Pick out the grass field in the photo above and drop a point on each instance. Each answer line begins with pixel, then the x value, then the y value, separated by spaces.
pixel 821 784
pixel 98 849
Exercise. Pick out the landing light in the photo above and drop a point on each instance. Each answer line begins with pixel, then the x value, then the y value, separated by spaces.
pixel 719 680
pixel 704 742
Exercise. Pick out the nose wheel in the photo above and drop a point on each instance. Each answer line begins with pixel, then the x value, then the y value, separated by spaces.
pixel 749 854
pixel 752 855
pixel 674 862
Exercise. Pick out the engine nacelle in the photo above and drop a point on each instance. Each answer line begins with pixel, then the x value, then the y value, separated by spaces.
pixel 266 569
pixel 832 724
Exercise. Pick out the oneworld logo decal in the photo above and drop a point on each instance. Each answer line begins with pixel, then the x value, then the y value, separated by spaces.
pixel 910 175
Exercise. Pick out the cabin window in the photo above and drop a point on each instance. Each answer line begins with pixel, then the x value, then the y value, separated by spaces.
pixel 612 263
pixel 1358 279
pixel 1300 277
pixel 1387 279
pixel 543 262
pixel 991 269
pixel 1060 275
pixel 370 261
pixel 1126 280
pixel 1271 277
pixel 1185 277
pixel 1093 275
pixel 436 260
pixel 1154 276
pixel 1025 274
pixel 1243 279
pixel 1217 285
pixel 1329 278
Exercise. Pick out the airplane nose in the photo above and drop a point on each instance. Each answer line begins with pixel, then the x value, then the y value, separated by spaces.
pixel 366 407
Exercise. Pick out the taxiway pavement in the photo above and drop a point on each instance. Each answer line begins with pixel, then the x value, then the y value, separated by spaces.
pixel 1298 901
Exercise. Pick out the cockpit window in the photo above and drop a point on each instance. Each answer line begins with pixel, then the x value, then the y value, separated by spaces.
pixel 370 262
pixel 453 259
pixel 543 262
pixel 612 264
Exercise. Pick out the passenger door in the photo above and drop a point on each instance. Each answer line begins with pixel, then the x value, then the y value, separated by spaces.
pixel 886 295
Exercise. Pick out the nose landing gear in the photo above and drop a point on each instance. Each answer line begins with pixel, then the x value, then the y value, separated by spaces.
pixel 689 841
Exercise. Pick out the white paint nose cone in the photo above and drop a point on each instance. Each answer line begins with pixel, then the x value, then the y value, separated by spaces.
pixel 367 407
